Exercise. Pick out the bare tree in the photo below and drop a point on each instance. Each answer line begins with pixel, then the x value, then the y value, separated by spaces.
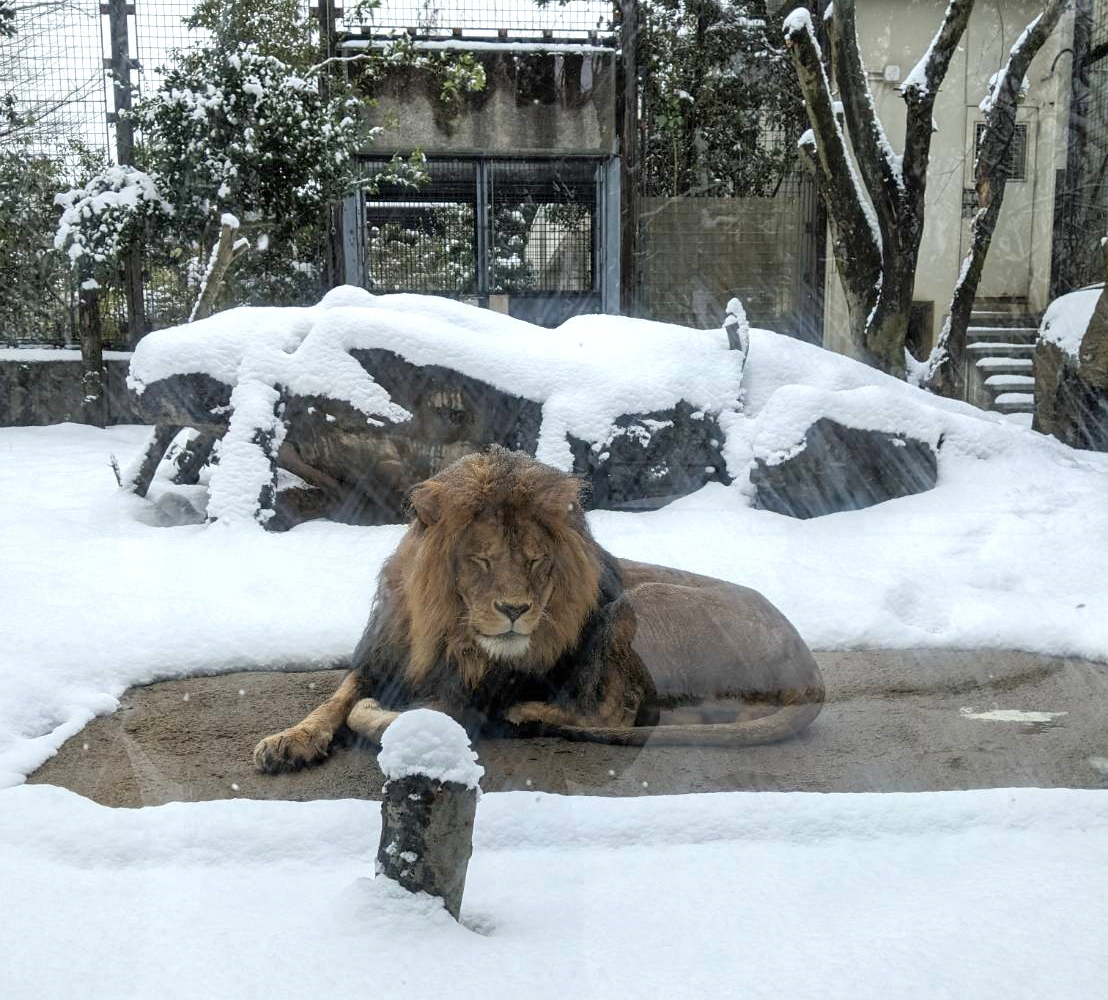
pixel 875 197
pixel 946 365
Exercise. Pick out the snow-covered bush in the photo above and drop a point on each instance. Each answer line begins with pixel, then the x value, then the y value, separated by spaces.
pixel 245 132
pixel 108 214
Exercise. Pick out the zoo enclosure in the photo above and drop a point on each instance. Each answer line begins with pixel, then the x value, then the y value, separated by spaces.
pixel 685 253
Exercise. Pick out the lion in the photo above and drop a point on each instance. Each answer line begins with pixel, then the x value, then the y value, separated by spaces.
pixel 499 607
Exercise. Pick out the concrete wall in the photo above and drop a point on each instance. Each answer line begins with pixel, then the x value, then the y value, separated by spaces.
pixel 696 253
pixel 897 33
pixel 40 387
pixel 533 104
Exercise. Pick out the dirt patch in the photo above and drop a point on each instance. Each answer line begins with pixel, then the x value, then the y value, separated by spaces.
pixel 893 722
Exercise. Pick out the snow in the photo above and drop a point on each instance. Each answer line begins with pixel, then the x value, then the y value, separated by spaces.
pixel 1004 553
pixel 1067 318
pixel 980 893
pixel 798 20
pixel 996 81
pixel 975 894
pixel 578 371
pixel 480 45
pixel 431 744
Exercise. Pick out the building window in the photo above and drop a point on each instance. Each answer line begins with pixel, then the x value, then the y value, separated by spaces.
pixel 1017 153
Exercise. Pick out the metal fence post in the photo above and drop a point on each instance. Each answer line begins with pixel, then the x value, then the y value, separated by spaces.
pixel 629 153
pixel 334 255
pixel 120 64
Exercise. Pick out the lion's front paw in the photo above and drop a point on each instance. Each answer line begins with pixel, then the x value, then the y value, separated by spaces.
pixel 525 712
pixel 288 750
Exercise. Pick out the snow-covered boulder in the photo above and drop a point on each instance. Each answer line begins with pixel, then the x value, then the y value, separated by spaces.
pixel 339 409
pixel 363 396
pixel 843 468
pixel 1071 369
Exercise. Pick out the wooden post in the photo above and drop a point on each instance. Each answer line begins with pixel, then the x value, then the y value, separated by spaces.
pixel 334 255
pixel 429 805
pixel 94 400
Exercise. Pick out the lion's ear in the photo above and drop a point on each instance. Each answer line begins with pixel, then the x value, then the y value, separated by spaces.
pixel 566 497
pixel 425 499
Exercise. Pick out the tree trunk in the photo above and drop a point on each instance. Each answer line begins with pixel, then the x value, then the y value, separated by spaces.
pixel 224 253
pixel 94 401
pixel 946 373
pixel 876 248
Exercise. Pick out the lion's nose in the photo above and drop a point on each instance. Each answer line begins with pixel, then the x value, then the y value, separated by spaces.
pixel 511 611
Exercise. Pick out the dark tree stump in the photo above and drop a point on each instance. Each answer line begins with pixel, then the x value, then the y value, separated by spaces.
pixel 427 837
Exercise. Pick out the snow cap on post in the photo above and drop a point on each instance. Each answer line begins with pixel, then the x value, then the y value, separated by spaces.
pixel 431 744
pixel 429 805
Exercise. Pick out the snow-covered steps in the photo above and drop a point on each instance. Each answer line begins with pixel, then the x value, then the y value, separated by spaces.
pixel 1014 402
pixel 1012 334
pixel 1011 383
pixel 987 349
pixel 1005 366
pixel 1001 339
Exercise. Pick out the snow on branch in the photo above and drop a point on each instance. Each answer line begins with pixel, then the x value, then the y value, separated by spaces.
pixel 922 85
pixel 854 227
pixel 878 164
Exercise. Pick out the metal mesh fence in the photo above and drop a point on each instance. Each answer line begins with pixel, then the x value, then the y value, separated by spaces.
pixel 425 241
pixel 54 69
pixel 515 19
pixel 485 227
pixel 542 226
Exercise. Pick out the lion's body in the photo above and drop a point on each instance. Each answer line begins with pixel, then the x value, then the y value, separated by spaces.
pixel 499 607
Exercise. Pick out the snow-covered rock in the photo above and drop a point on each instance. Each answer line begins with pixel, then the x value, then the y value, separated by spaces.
pixel 1071 369
pixel 379 392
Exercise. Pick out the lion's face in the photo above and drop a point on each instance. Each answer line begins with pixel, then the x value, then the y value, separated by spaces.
pixel 497 564
pixel 503 576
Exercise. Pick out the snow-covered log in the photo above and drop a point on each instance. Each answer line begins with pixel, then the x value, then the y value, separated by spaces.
pixel 367 396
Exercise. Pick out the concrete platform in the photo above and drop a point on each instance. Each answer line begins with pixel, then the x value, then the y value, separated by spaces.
pixel 905 720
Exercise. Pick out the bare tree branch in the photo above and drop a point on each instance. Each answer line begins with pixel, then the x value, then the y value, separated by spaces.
pixel 224 254
pixel 921 88
pixel 877 164
pixel 856 244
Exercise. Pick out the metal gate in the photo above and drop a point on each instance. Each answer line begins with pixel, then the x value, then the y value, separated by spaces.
pixel 525 237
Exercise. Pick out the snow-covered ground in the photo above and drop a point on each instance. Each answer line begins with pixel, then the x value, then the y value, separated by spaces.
pixel 963 895
pixel 950 895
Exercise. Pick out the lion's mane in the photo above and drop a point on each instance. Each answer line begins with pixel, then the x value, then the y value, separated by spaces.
pixel 427 612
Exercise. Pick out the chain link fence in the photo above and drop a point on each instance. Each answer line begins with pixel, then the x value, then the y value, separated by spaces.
pixel 696 244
